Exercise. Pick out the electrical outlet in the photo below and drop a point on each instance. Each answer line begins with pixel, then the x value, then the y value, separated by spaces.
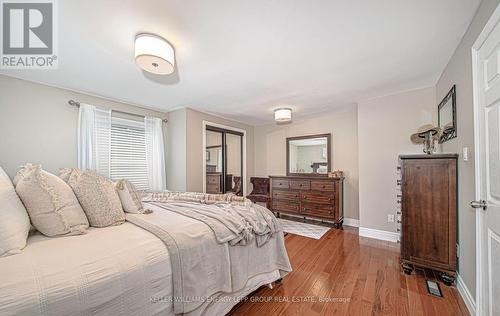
pixel 390 218
pixel 465 153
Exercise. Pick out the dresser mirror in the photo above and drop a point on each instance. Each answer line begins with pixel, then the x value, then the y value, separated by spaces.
pixel 308 155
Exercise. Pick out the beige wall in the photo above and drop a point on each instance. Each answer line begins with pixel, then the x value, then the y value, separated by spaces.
pixel 459 72
pixel 37 125
pixel 270 148
pixel 384 128
pixel 176 150
pixel 194 141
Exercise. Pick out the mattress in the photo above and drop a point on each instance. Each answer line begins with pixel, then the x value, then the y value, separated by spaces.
pixel 120 270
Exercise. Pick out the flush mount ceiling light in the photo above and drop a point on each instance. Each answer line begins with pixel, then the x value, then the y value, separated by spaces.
pixel 282 115
pixel 154 54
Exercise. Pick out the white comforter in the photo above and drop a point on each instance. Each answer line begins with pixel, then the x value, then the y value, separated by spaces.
pixel 121 270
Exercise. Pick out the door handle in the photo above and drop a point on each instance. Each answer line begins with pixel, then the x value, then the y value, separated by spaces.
pixel 479 204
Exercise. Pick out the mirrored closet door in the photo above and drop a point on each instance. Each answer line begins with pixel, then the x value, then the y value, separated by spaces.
pixel 224 161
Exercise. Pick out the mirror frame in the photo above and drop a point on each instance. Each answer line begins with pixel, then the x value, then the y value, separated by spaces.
pixel 451 94
pixel 328 154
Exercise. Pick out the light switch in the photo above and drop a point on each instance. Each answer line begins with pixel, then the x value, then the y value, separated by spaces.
pixel 465 151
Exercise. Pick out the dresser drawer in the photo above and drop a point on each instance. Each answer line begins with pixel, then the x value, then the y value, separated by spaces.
pixel 321 185
pixel 280 183
pixel 285 206
pixel 300 184
pixel 286 195
pixel 317 210
pixel 213 179
pixel 321 198
pixel 213 188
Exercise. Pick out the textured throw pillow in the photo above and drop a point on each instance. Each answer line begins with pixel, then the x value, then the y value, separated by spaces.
pixel 14 220
pixel 51 204
pixel 130 198
pixel 97 195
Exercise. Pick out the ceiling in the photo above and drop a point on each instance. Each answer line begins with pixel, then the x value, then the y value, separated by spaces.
pixel 241 59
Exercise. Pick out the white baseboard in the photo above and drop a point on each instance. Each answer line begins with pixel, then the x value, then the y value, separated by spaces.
pixel 351 222
pixel 466 296
pixel 378 234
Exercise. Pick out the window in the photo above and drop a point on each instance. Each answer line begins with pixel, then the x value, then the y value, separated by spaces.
pixel 122 147
pixel 128 158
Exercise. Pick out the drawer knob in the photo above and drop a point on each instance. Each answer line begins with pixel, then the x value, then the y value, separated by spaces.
pixel 323 187
pixel 300 185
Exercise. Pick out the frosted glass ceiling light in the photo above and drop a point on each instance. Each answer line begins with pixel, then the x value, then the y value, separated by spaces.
pixel 154 54
pixel 282 115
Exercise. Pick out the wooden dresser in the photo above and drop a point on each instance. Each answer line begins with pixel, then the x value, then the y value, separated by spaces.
pixel 429 213
pixel 214 182
pixel 309 196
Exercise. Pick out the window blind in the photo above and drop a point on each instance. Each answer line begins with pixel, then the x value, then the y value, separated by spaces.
pixel 128 152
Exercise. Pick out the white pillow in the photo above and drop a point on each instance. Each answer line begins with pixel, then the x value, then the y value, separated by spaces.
pixel 51 204
pixel 14 220
pixel 130 198
pixel 97 196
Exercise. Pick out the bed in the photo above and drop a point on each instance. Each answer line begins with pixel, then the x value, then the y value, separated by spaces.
pixel 119 270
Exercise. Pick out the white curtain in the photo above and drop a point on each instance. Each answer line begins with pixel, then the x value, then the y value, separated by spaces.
pixel 155 153
pixel 94 139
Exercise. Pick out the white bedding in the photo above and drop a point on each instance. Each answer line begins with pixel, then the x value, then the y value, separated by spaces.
pixel 120 270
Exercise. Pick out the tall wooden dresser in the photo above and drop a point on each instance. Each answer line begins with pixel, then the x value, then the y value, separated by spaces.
pixel 429 213
pixel 309 196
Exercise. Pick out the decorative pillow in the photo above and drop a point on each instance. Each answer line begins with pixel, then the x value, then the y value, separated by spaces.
pixel 130 198
pixel 51 204
pixel 97 195
pixel 14 220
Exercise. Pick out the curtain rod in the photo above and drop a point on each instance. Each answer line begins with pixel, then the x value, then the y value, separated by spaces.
pixel 77 104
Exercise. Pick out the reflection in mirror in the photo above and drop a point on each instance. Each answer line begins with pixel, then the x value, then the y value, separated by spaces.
pixel 214 151
pixel 308 155
pixel 233 161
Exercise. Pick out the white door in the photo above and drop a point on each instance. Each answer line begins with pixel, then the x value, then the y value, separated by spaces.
pixel 486 54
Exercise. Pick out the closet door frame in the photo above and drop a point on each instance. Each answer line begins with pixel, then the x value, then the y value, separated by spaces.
pixel 225 130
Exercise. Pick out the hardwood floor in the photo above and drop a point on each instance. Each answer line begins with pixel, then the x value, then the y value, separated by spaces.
pixel 362 274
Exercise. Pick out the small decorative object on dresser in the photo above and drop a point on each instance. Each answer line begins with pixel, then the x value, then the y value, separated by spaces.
pixel 428 135
pixel 429 213
pixel 309 196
